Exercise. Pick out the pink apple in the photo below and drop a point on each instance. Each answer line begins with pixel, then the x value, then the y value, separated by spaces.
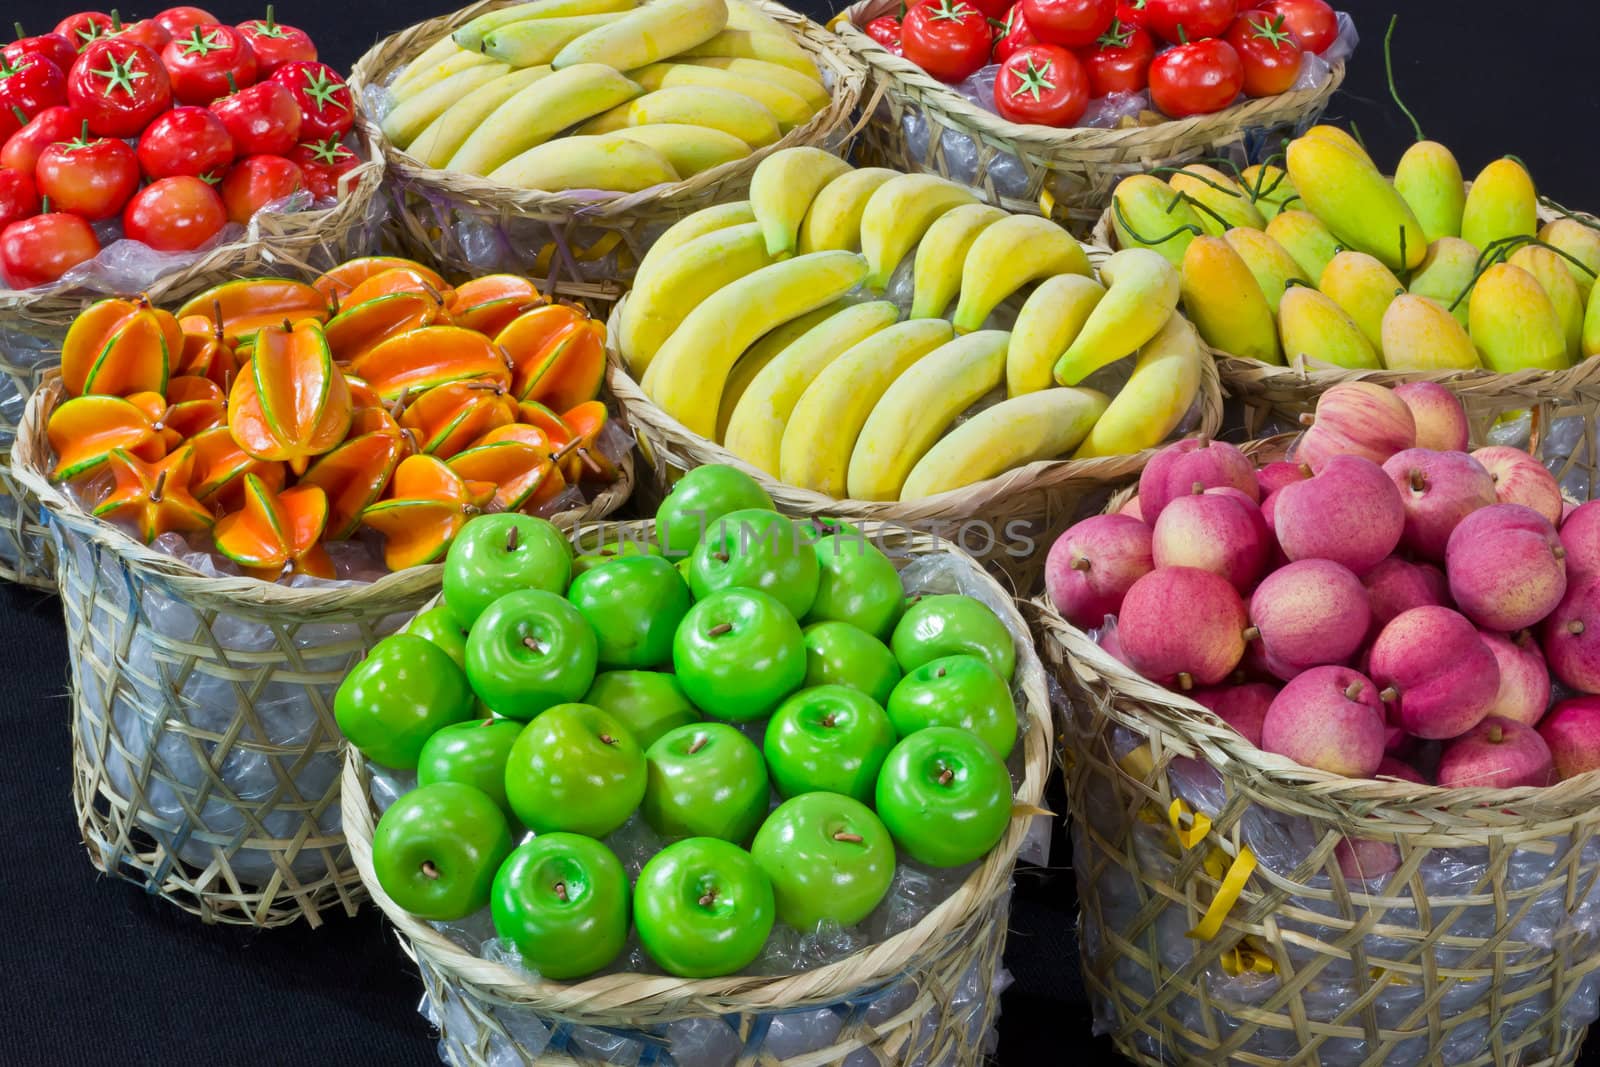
pixel 1361 859
pixel 1440 418
pixel 1219 530
pixel 1307 614
pixel 1521 479
pixel 1177 469
pixel 1328 718
pixel 1356 419
pixel 1182 626
pixel 1571 637
pixel 1506 568
pixel 1496 754
pixel 1572 730
pixel 1397 585
pixel 1524 691
pixel 1395 768
pixel 1243 707
pixel 1438 489
pixel 1438 677
pixel 1091 566
pixel 1350 513
pixel 1580 536
pixel 1274 476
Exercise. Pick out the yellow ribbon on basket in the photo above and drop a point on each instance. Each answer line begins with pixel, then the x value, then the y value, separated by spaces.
pixel 1231 874
pixel 598 250
pixel 1047 202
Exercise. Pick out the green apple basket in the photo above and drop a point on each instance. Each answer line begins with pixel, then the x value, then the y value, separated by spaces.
pixel 895 1001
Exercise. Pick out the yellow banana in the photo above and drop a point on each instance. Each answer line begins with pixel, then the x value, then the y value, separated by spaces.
pixel 435 145
pixel 742 16
pixel 825 424
pixel 936 270
pixel 834 218
pixel 413 115
pixel 538 112
pixel 646 34
pixel 694 105
pixel 1161 390
pixel 745 44
pixel 1008 255
pixel 613 163
pixel 702 222
pixel 418 78
pixel 782 188
pixel 1142 291
pixel 1049 321
pixel 898 214
pixel 808 87
pixel 763 352
pixel 534 42
pixel 472 34
pixel 690 149
pixel 428 61
pixel 755 431
pixel 688 373
pixel 1015 432
pixel 919 406
pixel 788 107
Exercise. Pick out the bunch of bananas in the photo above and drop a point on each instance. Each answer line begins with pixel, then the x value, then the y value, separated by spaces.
pixel 580 94
pixel 762 325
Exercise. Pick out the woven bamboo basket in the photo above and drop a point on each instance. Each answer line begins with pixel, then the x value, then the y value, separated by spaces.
pixel 33 322
pixel 1218 926
pixel 1067 174
pixel 205 754
pixel 582 244
pixel 893 1000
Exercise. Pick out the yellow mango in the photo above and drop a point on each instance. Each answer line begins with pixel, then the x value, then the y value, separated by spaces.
pixel 1581 243
pixel 1220 202
pixel 1145 208
pixel 1591 325
pixel 1501 203
pixel 1270 188
pixel 1314 327
pixel 1419 334
pixel 1448 269
pixel 1556 281
pixel 1336 136
pixel 1225 303
pixel 1364 287
pixel 1429 179
pixel 1513 322
pixel 1270 263
pixel 1356 203
pixel 1305 238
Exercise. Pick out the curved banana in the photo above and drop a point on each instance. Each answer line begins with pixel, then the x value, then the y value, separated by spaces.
pixel 919 406
pixel 443 136
pixel 428 61
pixel 1162 388
pixel 690 149
pixel 825 424
pixel 471 35
pixel 535 42
pixel 755 431
pixel 782 188
pixel 686 229
pixel 898 214
pixel 1013 433
pixel 1008 255
pixel 645 34
pixel 834 218
pixel 790 108
pixel 1049 321
pixel 936 270
pixel 688 373
pixel 1142 291
pixel 538 112
pixel 613 163
pixel 763 352
pixel 806 86
pixel 420 76
pixel 743 16
pixel 694 105
pixel 751 44
pixel 411 116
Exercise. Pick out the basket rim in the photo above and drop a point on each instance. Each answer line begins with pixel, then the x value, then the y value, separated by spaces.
pixel 373 67
pixel 872 966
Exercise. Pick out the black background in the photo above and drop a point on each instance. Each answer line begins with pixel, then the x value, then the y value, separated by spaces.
pixel 92 971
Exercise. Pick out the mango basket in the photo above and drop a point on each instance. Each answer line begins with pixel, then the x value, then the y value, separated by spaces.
pixel 205 754
pixel 924 995
pixel 1218 925
pixel 923 124
pixel 33 322
pixel 583 244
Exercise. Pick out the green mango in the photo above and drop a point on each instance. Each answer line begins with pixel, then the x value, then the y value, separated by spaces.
pixel 1501 203
pixel 1223 203
pixel 1419 334
pixel 1269 262
pixel 1153 209
pixel 1364 288
pixel 1305 238
pixel 1591 325
pixel 1581 243
pixel 1514 324
pixel 1312 325
pixel 1355 202
pixel 1556 281
pixel 1447 270
pixel 1271 188
pixel 1225 303
pixel 1429 179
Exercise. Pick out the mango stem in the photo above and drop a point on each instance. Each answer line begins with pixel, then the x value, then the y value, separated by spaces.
pixel 1388 67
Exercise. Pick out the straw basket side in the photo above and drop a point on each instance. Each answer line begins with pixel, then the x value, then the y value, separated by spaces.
pixel 582 243
pixel 922 124
pixel 33 323
pixel 205 753
pixel 893 1000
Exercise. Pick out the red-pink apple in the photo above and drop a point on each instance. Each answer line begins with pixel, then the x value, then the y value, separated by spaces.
pixel 1524 691
pixel 1441 420
pixel 1307 614
pixel 1243 707
pixel 1438 489
pixel 1580 536
pixel 1276 475
pixel 1397 585
pixel 1350 513
pixel 1182 626
pixel 1328 718
pixel 1506 568
pixel 1521 479
pixel 1396 768
pixel 1177 469
pixel 1091 566
pixel 1571 637
pixel 1362 859
pixel 1437 676
pixel 1496 754
pixel 1219 530
pixel 1131 508
pixel 1572 730
pixel 1356 419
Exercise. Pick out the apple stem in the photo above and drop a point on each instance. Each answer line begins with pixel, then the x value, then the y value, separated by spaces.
pixel 1389 694
pixel 946 776
pixel 1197 488
pixel 1185 681
pixel 708 898
pixel 1353 692
pixel 533 645
pixel 1080 564
pixel 1305 468
pixel 511 540
pixel 698 744
pixel 1575 627
pixel 1559 552
pixel 429 870
pixel 1496 734
pixel 1306 418
pixel 847 838
pixel 607 739
pixel 941 672
pixel 829 721
pixel 1252 632
pixel 1521 638
pixel 719 629
pixel 561 891
pixel 1418 482
pixel 720 557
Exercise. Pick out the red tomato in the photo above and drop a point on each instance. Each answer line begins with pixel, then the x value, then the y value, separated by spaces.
pixel 1120 62
pixel 177 214
pixel 993 10
pixel 1270 57
pixel 1189 20
pixel 326 107
pixel 1313 23
pixel 1012 34
pixel 1132 12
pixel 147 32
pixel 23 148
pixel 12 121
pixel 262 120
pixel 947 38
pixel 1069 23
pixel 323 163
pixel 89 177
pixel 276 44
pixel 256 182
pixel 54 47
pixel 886 31
pixel 186 140
pixel 39 250
pixel 1196 78
pixel 1042 84
pixel 178 20
pixel 84 28
pixel 19 197
pixel 208 62
pixel 120 86
pixel 31 83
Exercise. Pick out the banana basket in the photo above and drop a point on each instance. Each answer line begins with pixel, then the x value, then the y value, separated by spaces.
pixel 579 243
pixel 926 994
pixel 205 757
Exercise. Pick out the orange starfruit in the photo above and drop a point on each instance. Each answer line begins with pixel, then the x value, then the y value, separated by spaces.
pixel 429 504
pixel 276 532
pixel 525 341
pixel 412 279
pixel 207 352
pixel 568 371
pixel 448 418
pixel 220 466
pixel 84 431
pixel 153 497
pixel 248 304
pixel 490 303
pixel 422 359
pixel 524 475
pixel 362 327
pixel 354 476
pixel 587 421
pixel 291 403
pixel 546 421
pixel 192 405
pixel 117 347
pixel 337 283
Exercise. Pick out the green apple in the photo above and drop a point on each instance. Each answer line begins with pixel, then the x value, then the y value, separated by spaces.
pixel 831 739
pixel 530 650
pixel 703 908
pixel 699 498
pixel 828 857
pixel 937 626
pixel 857 584
pixel 840 654
pixel 634 606
pixel 738 653
pixel 960 691
pixel 394 700
pixel 436 850
pixel 472 753
pixel 575 768
pixel 499 554
pixel 439 625
pixel 757 549
pixel 648 703
pixel 945 796
pixel 562 901
pixel 589 557
pixel 705 780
